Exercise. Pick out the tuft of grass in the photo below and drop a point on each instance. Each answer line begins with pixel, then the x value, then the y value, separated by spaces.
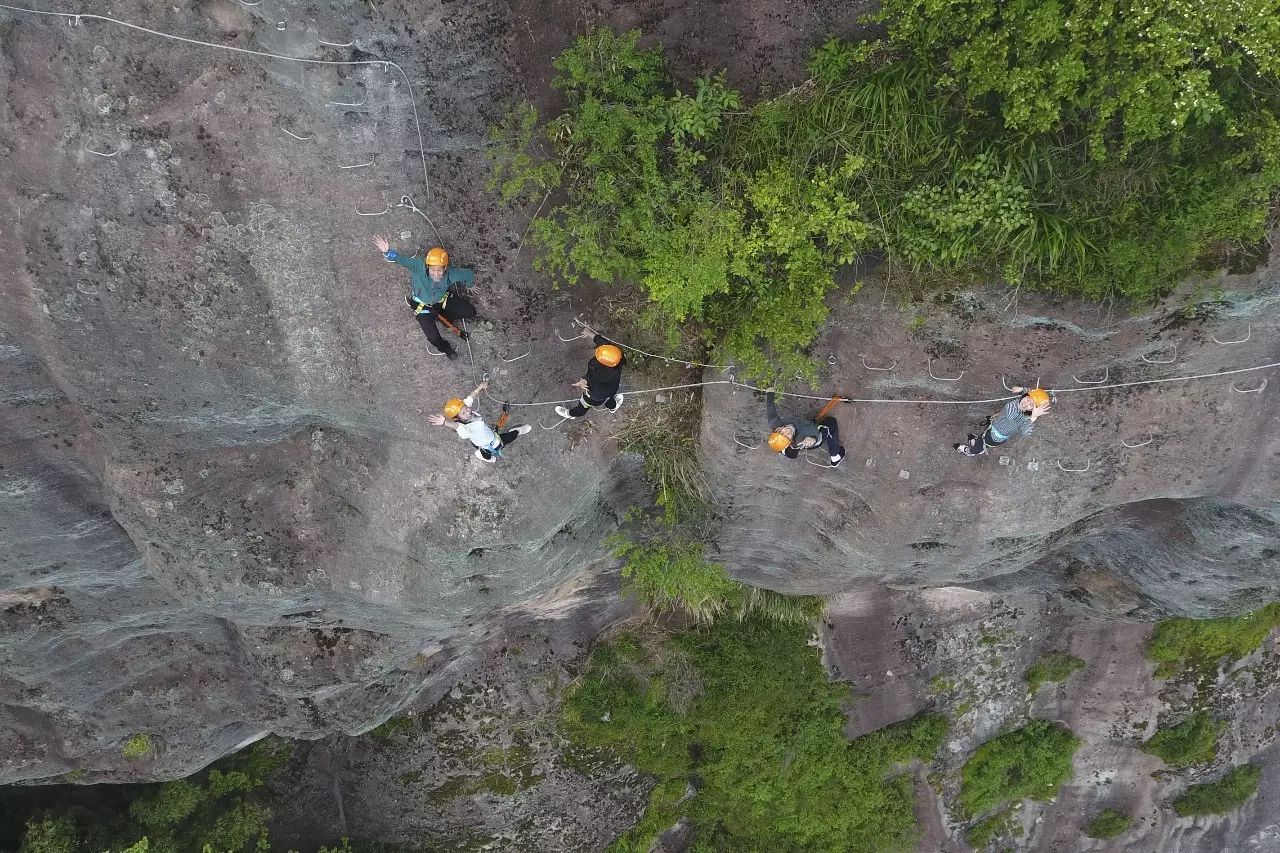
pixel 985 831
pixel 390 727
pixel 1054 666
pixel 1219 797
pixel 761 733
pixel 137 746
pixel 1192 741
pixel 1108 824
pixel 1184 644
pixel 1032 761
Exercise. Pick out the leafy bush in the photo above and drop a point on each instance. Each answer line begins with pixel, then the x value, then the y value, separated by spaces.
pixel 1225 795
pixel 1181 643
pixel 1054 666
pixel 51 834
pixel 1108 824
pixel 224 812
pixel 1192 741
pixel 964 143
pixel 1032 761
pixel 746 708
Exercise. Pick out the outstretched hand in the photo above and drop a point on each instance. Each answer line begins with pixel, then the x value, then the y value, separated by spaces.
pixel 436 420
pixel 587 332
pixel 1037 411
pixel 383 245
pixel 581 385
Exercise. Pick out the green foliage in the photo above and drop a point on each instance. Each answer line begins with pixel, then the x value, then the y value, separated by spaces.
pixel 1054 666
pixel 985 831
pixel 1192 741
pixel 137 746
pixel 967 142
pixel 391 727
pixel 676 577
pixel 1032 761
pixel 1201 644
pixel 747 708
pixel 668 443
pixel 1108 824
pixel 1225 795
pixel 167 806
pixel 51 834
pixel 673 576
pixel 223 812
pixel 1128 73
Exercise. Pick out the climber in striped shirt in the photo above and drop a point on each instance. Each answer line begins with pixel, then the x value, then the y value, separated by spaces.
pixel 1016 418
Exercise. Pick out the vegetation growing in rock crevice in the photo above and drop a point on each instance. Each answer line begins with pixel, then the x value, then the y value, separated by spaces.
pixel 963 143
pixel 1192 741
pixel 1032 761
pixel 1108 824
pixel 1219 797
pixel 743 732
pixel 1054 666
pixel 1200 645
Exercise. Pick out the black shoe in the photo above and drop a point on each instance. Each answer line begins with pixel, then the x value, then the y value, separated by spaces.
pixel 973 439
pixel 962 449
pixel 452 354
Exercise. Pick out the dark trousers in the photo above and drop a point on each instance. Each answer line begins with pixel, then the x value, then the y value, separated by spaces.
pixel 455 308
pixel 831 431
pixel 586 404
pixel 979 445
pixel 505 437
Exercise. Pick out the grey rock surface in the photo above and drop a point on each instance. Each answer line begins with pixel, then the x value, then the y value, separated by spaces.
pixel 222 511
pixel 1134 502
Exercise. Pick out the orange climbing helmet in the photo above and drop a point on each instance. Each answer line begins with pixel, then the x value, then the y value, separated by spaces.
pixel 437 257
pixel 778 442
pixel 608 355
pixel 452 407
pixel 1039 397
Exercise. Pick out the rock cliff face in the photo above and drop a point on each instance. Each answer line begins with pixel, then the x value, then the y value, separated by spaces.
pixel 223 512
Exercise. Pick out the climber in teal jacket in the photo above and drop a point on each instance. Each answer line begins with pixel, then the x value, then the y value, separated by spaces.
pixel 431 296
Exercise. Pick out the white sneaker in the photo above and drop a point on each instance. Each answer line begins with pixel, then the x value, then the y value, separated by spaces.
pixel 564 413
pixel 523 429
pixel 480 455
pixel 617 402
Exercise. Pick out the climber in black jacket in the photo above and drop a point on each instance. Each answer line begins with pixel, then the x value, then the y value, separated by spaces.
pixel 604 374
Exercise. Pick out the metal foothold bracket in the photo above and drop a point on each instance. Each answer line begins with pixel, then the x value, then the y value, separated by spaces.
pixel 1106 371
pixel 360 212
pixel 869 367
pixel 1150 438
pixel 1087 464
pixel 1257 390
pixel 509 360
pixel 1248 333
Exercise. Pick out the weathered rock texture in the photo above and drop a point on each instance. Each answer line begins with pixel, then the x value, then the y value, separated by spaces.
pixel 223 512
pixel 1136 502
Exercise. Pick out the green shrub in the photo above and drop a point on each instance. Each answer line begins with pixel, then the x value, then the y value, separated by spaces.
pixel 1032 761
pixel 167 805
pixel 985 831
pixel 51 834
pixel 137 746
pixel 1108 824
pixel 1100 167
pixel 1192 741
pixel 747 708
pixel 675 577
pixel 1054 666
pixel 1201 644
pixel 1225 795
